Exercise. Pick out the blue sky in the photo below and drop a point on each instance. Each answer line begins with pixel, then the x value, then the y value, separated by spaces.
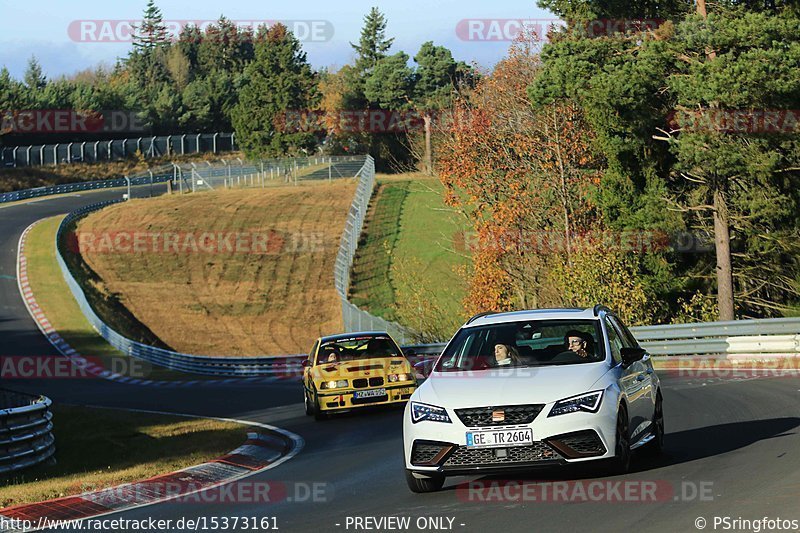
pixel 40 27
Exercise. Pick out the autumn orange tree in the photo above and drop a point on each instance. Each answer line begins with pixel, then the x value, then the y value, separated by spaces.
pixel 524 179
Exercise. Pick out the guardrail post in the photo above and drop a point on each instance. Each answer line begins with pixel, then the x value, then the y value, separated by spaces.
pixel 55 154
pixel 28 156
pixel 41 155
pixel 183 144
pixel 110 150
pixel 214 143
pixel 197 143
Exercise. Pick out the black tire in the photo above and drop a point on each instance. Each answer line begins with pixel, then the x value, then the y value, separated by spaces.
pixel 319 414
pixel 656 446
pixel 621 463
pixel 429 484
pixel 307 404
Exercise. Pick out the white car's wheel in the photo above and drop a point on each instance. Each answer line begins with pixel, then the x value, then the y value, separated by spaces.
pixel 621 463
pixel 656 446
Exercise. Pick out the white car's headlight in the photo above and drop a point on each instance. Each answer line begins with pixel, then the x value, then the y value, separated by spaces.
pixel 342 383
pixel 421 411
pixel 589 402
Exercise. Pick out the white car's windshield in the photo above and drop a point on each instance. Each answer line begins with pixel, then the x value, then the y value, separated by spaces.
pixel 523 344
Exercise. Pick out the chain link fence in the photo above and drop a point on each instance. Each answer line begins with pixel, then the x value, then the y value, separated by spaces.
pixel 356 319
pixel 94 151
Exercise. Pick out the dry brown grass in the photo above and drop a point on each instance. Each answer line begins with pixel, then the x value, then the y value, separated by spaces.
pixel 230 303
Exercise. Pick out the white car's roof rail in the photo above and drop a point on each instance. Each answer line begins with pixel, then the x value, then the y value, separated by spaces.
pixel 600 308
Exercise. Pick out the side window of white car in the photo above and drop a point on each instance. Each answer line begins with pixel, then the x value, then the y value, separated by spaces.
pixel 627 338
pixel 614 341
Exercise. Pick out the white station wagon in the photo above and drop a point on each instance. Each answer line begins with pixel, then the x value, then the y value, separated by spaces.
pixel 523 389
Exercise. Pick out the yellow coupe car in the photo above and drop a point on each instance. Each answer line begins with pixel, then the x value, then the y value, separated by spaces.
pixel 352 370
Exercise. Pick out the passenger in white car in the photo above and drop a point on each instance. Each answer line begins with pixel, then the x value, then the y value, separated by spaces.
pixel 506 355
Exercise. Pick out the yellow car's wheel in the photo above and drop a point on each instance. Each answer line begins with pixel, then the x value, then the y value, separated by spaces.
pixel 307 404
pixel 319 414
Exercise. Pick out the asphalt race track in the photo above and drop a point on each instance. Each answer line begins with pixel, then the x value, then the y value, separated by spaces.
pixel 732 445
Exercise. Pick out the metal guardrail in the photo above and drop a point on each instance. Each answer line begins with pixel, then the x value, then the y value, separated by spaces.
pixel 26 426
pixel 762 336
pixel 207 175
pixel 160 176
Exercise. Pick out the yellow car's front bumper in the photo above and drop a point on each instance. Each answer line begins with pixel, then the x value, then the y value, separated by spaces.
pixel 346 398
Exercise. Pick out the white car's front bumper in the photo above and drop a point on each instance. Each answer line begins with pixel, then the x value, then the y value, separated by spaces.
pixel 569 438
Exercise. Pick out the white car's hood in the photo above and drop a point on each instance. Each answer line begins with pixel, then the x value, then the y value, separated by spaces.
pixel 510 386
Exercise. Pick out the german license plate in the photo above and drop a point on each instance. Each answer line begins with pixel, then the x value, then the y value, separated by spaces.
pixel 499 438
pixel 372 393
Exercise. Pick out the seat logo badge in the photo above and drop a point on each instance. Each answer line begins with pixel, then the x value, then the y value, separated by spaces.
pixel 498 416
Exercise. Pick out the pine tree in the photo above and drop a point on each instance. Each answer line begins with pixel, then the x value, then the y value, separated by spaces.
pixel 278 80
pixel 373 44
pixel 152 32
pixel 34 78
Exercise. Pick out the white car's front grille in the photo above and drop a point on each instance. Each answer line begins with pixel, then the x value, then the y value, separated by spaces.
pixel 469 457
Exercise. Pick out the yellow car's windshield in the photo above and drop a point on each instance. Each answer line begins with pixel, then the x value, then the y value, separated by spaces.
pixel 357 348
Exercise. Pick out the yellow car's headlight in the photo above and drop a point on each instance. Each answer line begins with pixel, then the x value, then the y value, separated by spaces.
pixel 399 377
pixel 340 384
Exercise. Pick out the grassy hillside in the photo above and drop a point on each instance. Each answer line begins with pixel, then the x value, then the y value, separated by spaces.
pixel 408 253
pixel 272 299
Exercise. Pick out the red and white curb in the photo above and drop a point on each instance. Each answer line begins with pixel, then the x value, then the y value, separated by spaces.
pixel 262 451
pixel 81 362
